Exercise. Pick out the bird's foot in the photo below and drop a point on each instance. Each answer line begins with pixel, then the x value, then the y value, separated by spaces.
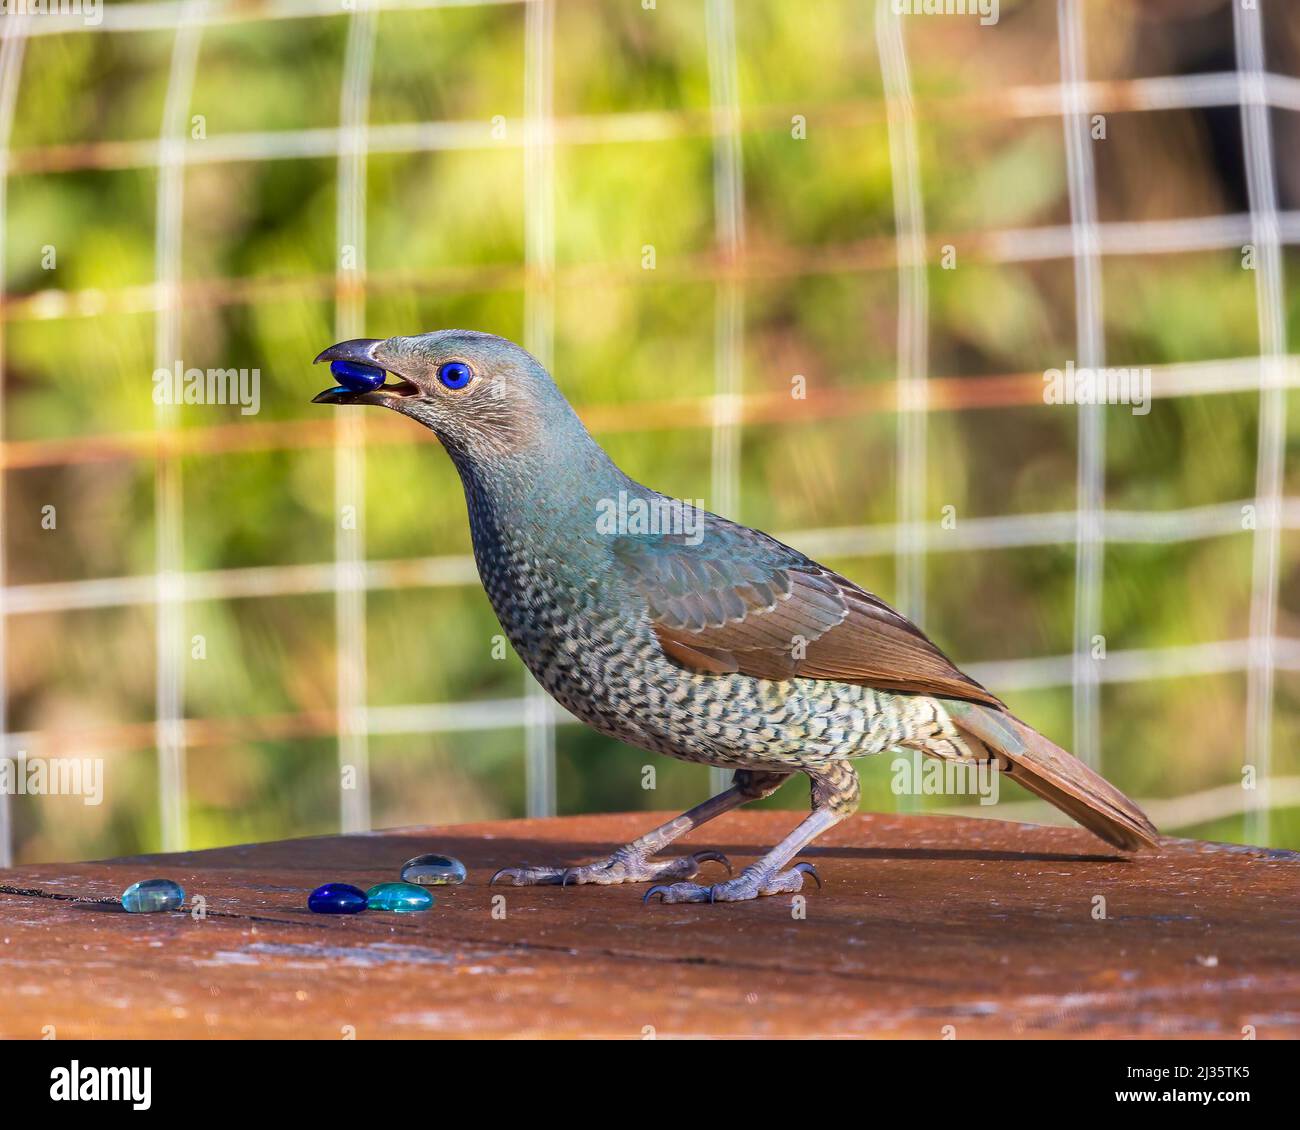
pixel 624 866
pixel 749 884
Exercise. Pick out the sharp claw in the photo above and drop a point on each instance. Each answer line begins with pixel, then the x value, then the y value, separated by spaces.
pixel 713 894
pixel 809 869
pixel 565 876
pixel 659 890
pixel 498 875
pixel 714 857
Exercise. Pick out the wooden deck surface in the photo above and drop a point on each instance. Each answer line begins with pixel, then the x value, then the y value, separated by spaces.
pixel 927 926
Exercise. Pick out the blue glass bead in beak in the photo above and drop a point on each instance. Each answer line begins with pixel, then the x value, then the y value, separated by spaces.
pixel 356 377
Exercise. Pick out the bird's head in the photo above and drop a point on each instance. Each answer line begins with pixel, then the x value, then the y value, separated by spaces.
pixel 483 396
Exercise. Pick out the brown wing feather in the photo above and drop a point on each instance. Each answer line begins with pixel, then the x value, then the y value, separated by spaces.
pixel 782 622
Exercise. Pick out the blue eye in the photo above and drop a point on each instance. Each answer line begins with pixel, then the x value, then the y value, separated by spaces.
pixel 454 374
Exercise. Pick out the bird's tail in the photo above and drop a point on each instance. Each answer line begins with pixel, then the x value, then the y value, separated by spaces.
pixel 1049 772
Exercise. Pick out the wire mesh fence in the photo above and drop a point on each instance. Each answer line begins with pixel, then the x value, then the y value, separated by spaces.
pixel 731 271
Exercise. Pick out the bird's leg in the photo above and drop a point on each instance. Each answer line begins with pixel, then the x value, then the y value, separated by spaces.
pixel 632 863
pixel 835 794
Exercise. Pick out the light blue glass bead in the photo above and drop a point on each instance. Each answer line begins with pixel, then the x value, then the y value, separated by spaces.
pixel 433 871
pixel 152 895
pixel 400 898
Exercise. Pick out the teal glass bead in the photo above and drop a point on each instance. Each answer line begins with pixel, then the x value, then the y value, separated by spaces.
pixel 433 871
pixel 150 896
pixel 336 898
pixel 399 898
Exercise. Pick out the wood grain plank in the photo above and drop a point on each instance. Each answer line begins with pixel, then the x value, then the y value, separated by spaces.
pixel 924 922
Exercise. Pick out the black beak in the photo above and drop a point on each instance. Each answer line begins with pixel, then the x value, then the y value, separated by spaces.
pixel 360 350
pixel 337 396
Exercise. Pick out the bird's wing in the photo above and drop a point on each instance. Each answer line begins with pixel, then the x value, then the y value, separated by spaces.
pixel 740 601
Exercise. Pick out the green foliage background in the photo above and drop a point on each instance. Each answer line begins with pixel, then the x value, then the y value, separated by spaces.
pixel 634 350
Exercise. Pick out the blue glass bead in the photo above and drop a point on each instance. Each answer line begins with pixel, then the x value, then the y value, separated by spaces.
pixel 400 898
pixel 433 871
pixel 356 377
pixel 336 898
pixel 152 895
